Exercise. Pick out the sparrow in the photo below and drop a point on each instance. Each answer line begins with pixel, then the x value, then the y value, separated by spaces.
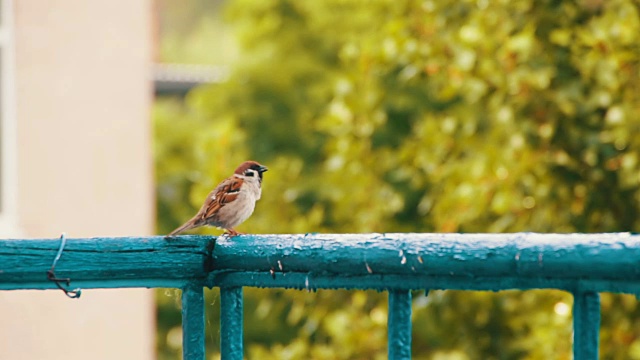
pixel 231 202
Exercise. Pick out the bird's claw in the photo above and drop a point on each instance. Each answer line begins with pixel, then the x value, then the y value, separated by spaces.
pixel 232 233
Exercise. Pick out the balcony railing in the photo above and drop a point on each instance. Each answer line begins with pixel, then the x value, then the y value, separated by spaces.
pixel 583 264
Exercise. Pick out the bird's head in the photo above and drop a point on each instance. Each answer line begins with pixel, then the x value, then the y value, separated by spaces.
pixel 251 169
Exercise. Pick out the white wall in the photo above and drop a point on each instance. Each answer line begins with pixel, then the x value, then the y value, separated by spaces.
pixel 84 166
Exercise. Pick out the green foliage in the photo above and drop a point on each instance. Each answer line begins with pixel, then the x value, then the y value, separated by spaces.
pixel 186 29
pixel 425 116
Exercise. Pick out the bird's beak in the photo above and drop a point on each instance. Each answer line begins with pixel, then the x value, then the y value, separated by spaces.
pixel 262 169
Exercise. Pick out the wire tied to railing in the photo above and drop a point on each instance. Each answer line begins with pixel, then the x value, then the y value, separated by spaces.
pixel 51 275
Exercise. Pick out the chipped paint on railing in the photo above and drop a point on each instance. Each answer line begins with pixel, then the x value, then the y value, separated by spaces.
pixel 583 264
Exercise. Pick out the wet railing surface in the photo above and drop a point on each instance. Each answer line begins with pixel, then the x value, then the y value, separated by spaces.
pixel 583 264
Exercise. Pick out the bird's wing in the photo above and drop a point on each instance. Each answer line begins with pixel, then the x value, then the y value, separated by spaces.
pixel 223 194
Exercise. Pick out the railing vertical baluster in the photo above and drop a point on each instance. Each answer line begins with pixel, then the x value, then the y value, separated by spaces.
pixel 586 325
pixel 399 325
pixel 231 323
pixel 193 322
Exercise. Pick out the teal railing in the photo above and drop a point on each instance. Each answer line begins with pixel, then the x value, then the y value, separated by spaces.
pixel 398 263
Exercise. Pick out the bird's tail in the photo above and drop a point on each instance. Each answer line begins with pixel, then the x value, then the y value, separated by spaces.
pixel 184 227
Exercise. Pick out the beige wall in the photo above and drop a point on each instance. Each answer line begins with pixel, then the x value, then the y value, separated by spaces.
pixel 84 167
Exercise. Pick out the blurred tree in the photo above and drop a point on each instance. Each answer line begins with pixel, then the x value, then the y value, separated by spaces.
pixel 425 116
pixel 193 32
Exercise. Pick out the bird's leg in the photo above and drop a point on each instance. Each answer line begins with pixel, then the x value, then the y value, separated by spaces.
pixel 232 232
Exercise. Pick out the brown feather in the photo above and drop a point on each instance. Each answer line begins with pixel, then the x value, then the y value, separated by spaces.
pixel 226 193
pixel 184 227
pixel 244 166
pixel 223 194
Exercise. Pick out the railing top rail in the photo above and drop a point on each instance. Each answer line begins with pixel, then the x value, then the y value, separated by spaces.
pixel 574 262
